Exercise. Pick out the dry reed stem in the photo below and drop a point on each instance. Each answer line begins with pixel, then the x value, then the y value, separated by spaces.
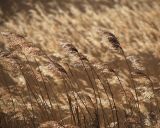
pixel 115 43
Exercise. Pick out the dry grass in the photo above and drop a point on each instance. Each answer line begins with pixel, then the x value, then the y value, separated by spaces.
pixel 67 67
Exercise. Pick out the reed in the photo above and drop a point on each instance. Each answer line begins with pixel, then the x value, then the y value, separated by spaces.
pixel 58 96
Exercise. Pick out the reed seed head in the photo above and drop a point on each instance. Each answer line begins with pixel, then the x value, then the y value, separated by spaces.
pixel 69 47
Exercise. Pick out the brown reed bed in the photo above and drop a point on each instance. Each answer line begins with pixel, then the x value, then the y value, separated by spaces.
pixel 43 92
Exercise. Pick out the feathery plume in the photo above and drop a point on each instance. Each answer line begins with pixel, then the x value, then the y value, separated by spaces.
pixel 111 38
pixel 17 42
pixel 57 68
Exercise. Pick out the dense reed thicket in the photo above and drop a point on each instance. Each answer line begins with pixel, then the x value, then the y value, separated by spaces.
pixel 79 64
pixel 76 91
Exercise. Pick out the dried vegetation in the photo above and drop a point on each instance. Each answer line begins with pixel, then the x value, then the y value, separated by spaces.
pixel 72 71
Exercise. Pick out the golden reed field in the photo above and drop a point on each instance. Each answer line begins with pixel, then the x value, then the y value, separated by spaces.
pixel 79 63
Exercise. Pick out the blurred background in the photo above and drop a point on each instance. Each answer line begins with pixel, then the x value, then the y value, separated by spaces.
pixel 44 22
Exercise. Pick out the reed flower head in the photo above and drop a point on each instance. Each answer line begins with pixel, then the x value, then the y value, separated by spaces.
pixel 69 47
pixel 136 64
pixel 18 43
pixel 106 35
pixel 57 68
pixel 15 41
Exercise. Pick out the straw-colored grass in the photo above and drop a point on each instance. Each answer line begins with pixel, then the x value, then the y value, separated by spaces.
pixel 80 64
